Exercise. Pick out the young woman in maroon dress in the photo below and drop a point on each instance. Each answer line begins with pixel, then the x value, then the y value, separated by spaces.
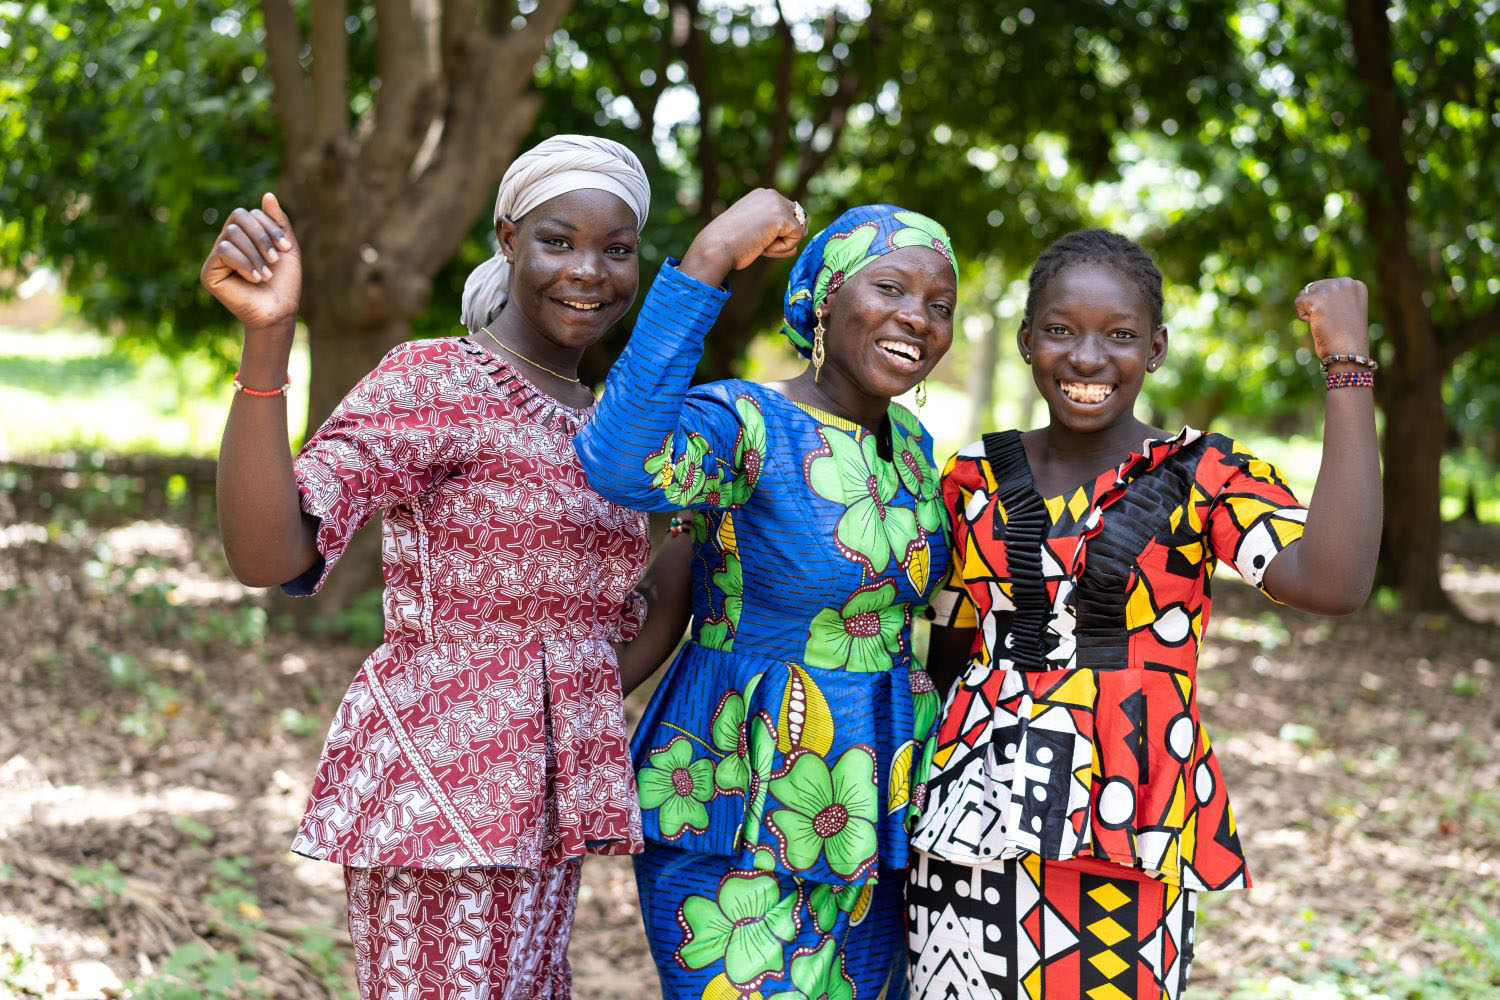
pixel 480 751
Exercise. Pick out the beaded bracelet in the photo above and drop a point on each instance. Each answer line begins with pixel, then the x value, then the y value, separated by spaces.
pixel 240 387
pixel 1353 359
pixel 1350 380
pixel 675 526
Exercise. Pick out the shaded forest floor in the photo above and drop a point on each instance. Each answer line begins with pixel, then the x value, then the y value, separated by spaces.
pixel 159 733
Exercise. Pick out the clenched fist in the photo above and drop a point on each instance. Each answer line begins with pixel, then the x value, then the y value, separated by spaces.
pixel 255 266
pixel 1337 311
pixel 761 224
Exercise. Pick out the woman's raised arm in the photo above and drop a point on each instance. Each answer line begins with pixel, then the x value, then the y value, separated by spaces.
pixel 255 270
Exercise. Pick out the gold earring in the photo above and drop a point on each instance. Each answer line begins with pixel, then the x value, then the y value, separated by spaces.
pixel 818 352
pixel 921 394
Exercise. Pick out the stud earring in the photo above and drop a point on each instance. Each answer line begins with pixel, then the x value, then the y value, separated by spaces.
pixel 819 355
pixel 921 395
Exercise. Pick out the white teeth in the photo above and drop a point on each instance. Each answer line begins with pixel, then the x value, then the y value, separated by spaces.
pixel 1087 392
pixel 581 305
pixel 906 351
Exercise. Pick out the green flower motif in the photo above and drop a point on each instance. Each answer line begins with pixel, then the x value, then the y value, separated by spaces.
pixel 678 786
pixel 747 925
pixel 921 231
pixel 924 704
pixel 716 633
pixel 749 451
pixel 826 902
pixel 734 774
pixel 862 636
pixel 819 973
pixel 920 479
pixel 842 256
pixel 730 581
pixel 828 814
pixel 852 474
pixel 682 481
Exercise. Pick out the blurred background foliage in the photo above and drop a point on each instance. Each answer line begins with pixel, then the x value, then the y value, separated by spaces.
pixel 1238 140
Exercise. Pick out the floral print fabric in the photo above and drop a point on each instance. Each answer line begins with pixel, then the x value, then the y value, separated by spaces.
pixel 859 236
pixel 742 933
pixel 784 738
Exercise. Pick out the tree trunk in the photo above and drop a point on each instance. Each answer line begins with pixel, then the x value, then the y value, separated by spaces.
pixel 982 375
pixel 341 356
pixel 1415 431
pixel 1412 539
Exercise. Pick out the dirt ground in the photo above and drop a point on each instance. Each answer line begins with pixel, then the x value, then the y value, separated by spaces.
pixel 158 730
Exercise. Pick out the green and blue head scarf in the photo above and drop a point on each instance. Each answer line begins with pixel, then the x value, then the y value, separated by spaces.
pixel 856 238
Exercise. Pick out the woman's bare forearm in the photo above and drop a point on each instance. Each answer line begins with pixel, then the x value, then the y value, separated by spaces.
pixel 667 588
pixel 268 540
pixel 1331 568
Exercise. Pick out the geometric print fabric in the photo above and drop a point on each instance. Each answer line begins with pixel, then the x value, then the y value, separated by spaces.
pixel 1029 929
pixel 1075 731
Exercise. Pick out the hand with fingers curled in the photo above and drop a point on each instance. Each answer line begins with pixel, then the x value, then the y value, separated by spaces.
pixel 255 267
pixel 763 223
pixel 1337 312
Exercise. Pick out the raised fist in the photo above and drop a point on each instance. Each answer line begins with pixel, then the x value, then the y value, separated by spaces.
pixel 255 266
pixel 1337 311
pixel 761 224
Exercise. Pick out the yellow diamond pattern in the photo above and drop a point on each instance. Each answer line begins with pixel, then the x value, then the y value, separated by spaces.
pixel 1107 992
pixel 1108 963
pixel 1109 897
pixel 1078 504
pixel 1109 931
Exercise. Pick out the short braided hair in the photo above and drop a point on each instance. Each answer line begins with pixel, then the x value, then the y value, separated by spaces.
pixel 1098 246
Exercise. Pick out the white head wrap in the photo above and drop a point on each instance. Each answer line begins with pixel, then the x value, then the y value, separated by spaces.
pixel 556 166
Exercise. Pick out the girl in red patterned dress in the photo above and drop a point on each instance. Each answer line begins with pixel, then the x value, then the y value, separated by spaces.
pixel 1074 806
pixel 481 751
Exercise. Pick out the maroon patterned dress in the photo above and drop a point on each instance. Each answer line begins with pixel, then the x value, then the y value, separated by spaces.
pixel 488 730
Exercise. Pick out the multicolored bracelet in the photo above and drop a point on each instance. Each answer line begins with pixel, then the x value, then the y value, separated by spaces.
pixel 676 526
pixel 240 387
pixel 1353 359
pixel 1350 380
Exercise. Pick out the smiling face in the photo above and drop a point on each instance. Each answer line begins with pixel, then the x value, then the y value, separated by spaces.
pixel 1091 341
pixel 891 322
pixel 574 270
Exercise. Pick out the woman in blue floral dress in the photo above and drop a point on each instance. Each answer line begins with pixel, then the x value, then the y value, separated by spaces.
pixel 774 760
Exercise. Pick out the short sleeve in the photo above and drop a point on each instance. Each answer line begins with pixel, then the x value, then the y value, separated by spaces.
pixel 391 439
pixel 952 606
pixel 1254 515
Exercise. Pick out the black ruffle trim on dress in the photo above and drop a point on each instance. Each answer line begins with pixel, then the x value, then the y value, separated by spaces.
pixel 1023 530
pixel 1137 515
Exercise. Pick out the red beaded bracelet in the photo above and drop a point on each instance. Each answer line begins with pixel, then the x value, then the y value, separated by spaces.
pixel 240 387
pixel 1350 380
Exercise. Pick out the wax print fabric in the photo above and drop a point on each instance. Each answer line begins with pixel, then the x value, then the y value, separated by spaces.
pixel 775 758
pixel 1028 929
pixel 488 728
pixel 1074 730
pixel 477 933
pixel 856 238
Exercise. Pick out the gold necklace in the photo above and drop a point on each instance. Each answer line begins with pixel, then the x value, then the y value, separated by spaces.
pixel 566 378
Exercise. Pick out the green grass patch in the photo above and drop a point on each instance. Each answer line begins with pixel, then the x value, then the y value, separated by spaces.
pixel 70 390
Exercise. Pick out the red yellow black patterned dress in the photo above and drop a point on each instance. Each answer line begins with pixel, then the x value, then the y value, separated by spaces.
pixel 1074 803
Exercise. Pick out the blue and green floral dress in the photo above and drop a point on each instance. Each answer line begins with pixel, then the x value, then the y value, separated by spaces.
pixel 774 761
